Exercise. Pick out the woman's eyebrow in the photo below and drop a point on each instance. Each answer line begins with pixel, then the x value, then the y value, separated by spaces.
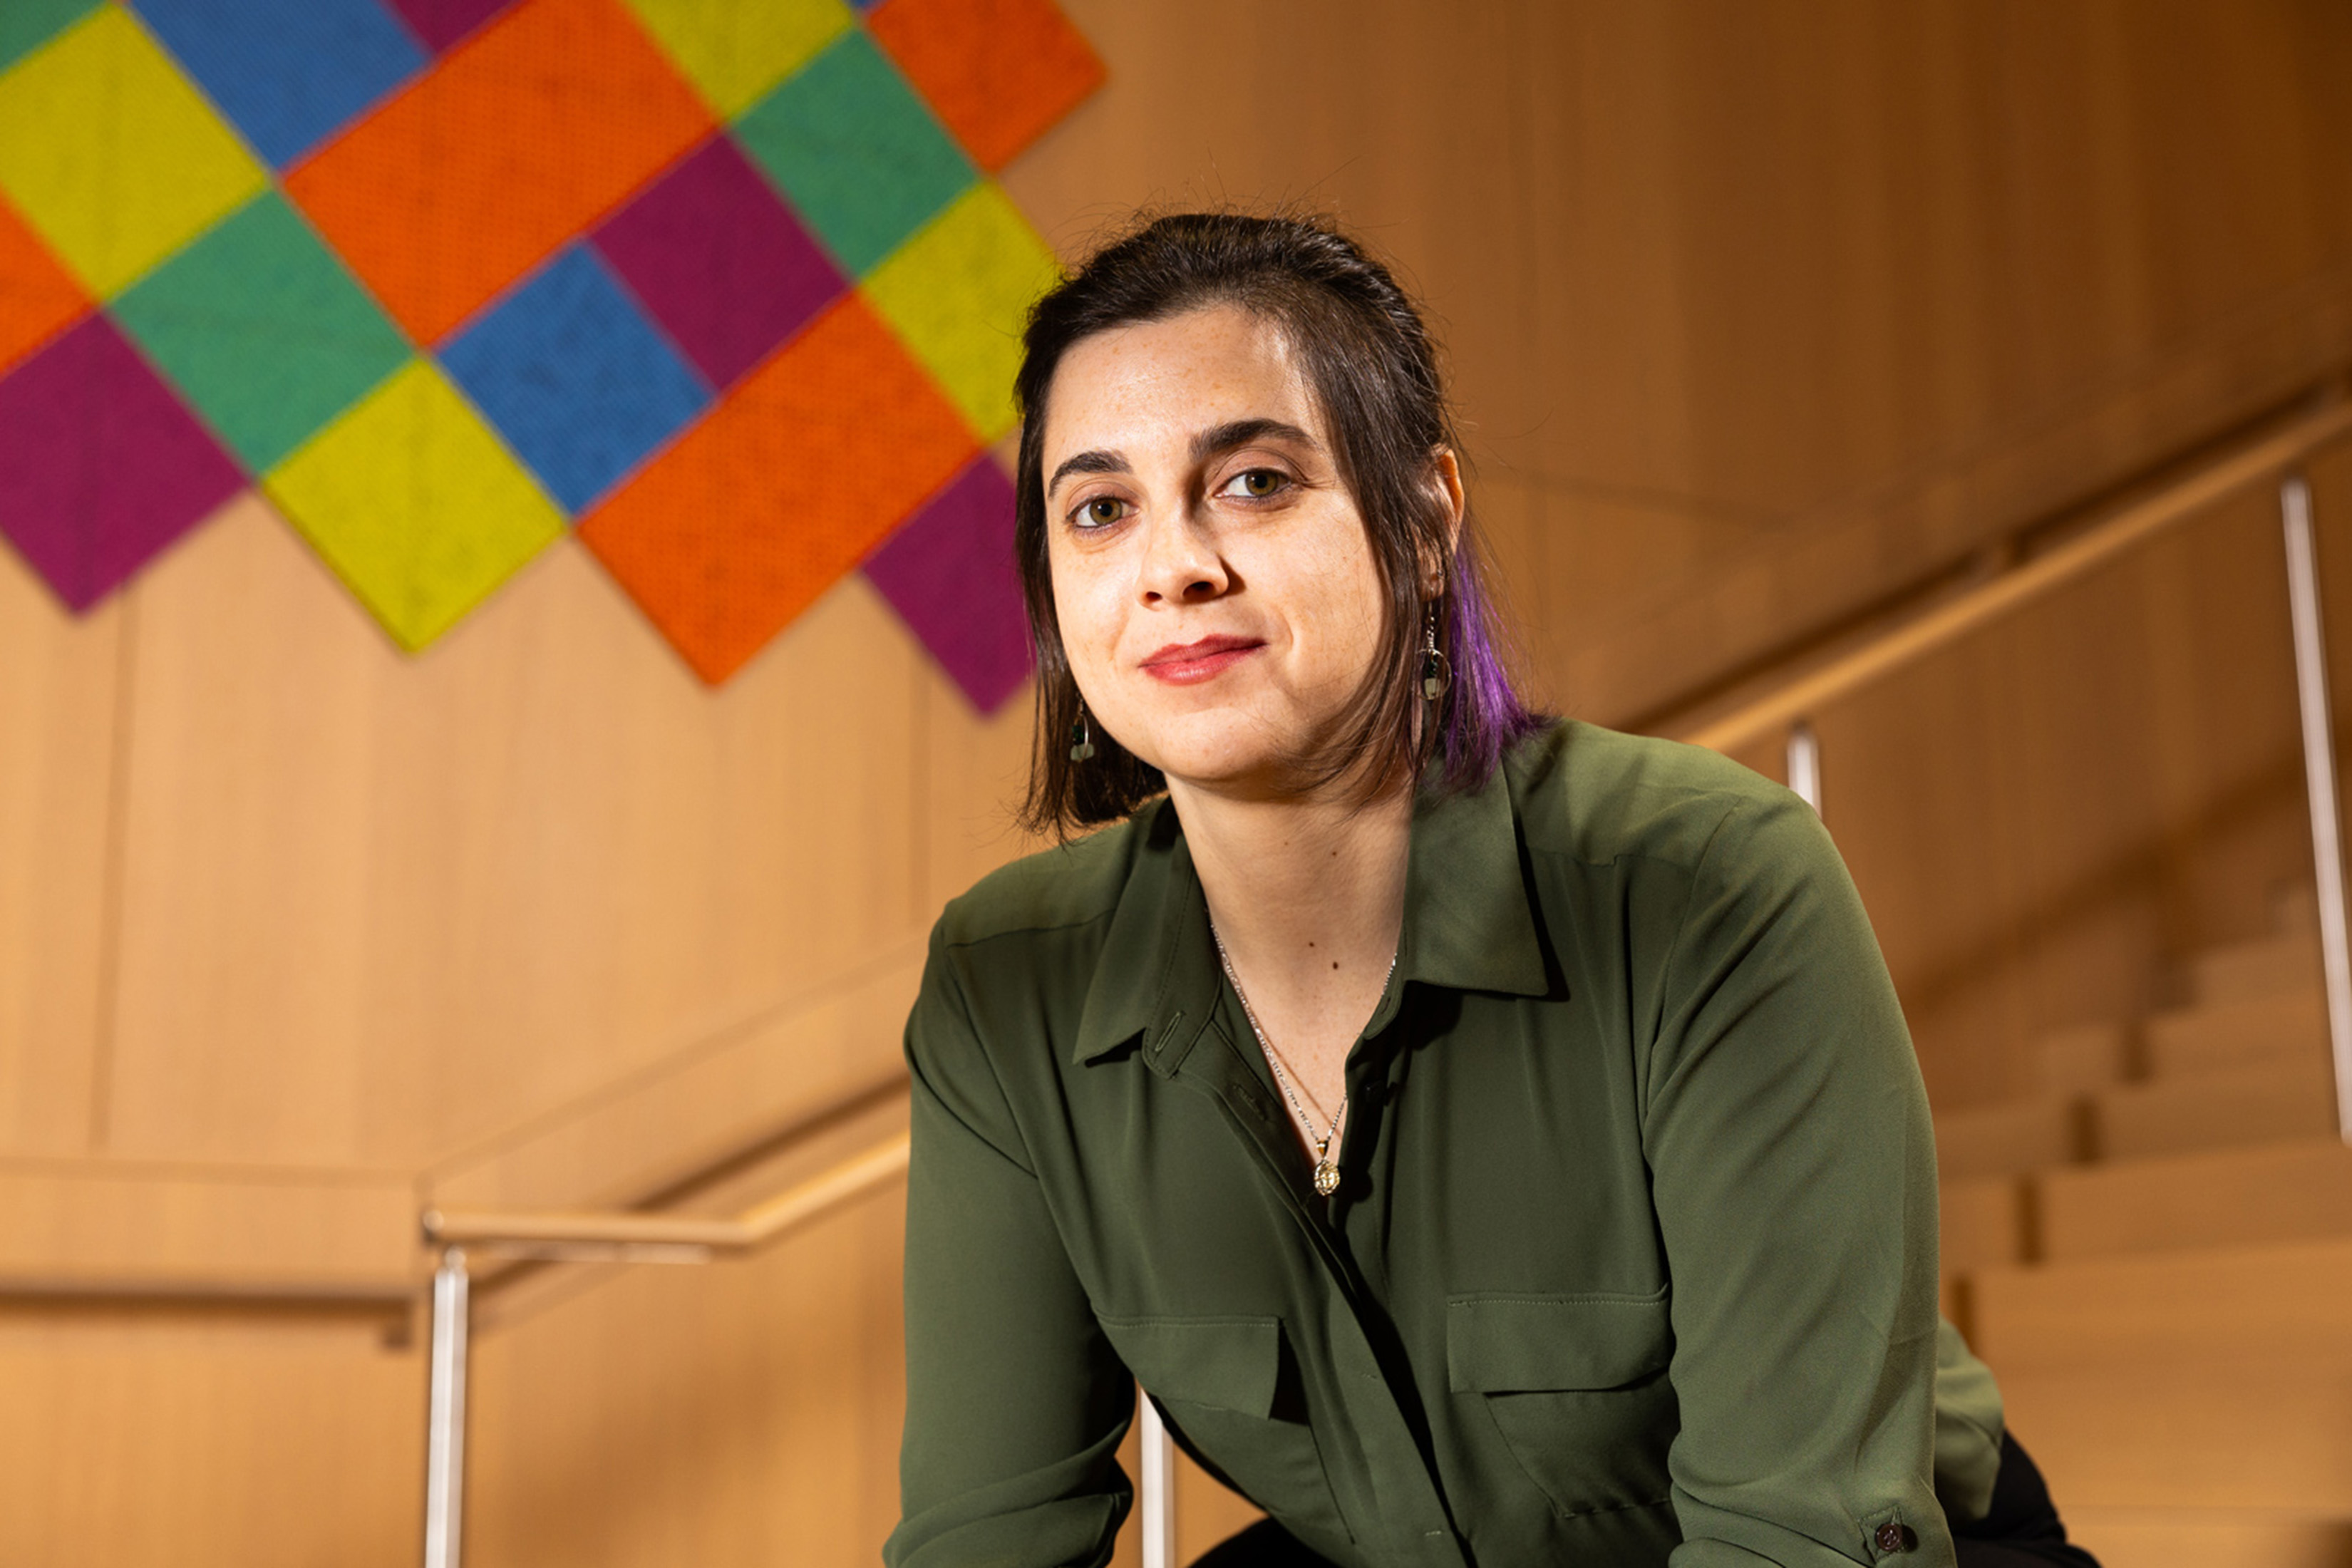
pixel 1242 432
pixel 1095 462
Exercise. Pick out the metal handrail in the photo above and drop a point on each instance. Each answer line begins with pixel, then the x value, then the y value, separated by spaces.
pixel 2252 464
pixel 584 1238
pixel 569 1234
pixel 2278 456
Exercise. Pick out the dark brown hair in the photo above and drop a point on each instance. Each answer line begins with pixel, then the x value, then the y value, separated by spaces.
pixel 1373 372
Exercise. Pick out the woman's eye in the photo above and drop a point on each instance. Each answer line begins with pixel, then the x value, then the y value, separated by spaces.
pixel 1101 511
pixel 1258 483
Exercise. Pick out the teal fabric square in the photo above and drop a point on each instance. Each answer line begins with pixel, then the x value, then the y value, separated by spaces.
pixel 855 150
pixel 263 331
pixel 27 24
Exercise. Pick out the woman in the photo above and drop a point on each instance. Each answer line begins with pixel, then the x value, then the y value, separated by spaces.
pixel 1489 1140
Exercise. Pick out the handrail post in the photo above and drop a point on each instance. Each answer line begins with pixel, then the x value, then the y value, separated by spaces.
pixel 1805 764
pixel 1157 1503
pixel 444 1439
pixel 2319 778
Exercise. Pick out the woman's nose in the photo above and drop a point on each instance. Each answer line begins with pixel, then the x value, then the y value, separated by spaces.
pixel 1180 564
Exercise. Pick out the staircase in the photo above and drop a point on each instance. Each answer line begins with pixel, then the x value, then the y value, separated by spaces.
pixel 2154 1252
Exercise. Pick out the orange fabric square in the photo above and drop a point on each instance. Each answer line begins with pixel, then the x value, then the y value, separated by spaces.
pixel 39 298
pixel 788 485
pixel 523 135
pixel 999 72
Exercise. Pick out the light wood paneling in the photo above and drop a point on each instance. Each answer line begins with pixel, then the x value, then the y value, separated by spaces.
pixel 698 1107
pixel 223 1442
pixel 58 723
pixel 974 768
pixel 90 1222
pixel 429 897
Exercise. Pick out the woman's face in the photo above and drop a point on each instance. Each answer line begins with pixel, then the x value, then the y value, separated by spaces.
pixel 1216 589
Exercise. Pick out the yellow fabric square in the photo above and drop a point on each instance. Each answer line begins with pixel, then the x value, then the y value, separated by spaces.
pixel 112 154
pixel 959 291
pixel 733 52
pixel 415 504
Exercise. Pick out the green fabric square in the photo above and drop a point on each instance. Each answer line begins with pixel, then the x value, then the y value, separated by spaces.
pixel 263 331
pixel 27 24
pixel 855 150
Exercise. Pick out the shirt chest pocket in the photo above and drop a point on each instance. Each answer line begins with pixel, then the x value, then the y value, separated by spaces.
pixel 1577 1388
pixel 1227 1392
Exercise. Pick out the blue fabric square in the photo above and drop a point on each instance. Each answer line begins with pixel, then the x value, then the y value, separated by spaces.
pixel 288 73
pixel 575 377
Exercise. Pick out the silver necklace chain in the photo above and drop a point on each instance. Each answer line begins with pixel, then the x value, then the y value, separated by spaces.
pixel 1326 1163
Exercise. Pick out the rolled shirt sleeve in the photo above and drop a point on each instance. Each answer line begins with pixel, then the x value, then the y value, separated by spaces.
pixel 1787 1127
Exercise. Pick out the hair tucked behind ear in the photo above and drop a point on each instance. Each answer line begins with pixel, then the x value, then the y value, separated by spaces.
pixel 1373 372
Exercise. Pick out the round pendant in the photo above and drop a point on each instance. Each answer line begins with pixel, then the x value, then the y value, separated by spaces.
pixel 1327 1177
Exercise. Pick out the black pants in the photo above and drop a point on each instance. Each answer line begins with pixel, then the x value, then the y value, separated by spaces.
pixel 2021 1532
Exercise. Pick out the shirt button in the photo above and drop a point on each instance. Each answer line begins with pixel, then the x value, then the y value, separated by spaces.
pixel 1892 1536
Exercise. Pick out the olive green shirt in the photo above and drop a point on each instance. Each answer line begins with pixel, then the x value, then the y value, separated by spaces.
pixel 1633 1256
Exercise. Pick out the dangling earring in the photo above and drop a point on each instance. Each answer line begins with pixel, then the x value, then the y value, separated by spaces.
pixel 1436 671
pixel 1082 740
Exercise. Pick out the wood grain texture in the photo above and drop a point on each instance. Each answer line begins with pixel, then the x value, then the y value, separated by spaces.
pixel 59 714
pixel 83 1222
pixel 2286 1190
pixel 207 1443
pixel 698 1107
pixel 430 898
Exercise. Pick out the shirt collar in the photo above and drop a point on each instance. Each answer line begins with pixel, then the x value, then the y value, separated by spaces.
pixel 1470 924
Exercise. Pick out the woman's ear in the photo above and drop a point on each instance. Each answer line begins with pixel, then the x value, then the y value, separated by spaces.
pixel 1445 478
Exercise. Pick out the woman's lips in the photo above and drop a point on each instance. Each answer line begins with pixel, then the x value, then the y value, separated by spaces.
pixel 1189 664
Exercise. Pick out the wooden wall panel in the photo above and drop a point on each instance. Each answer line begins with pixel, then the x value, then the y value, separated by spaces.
pixel 218 1441
pixel 973 769
pixel 103 1224
pixel 59 718
pixel 429 897
pixel 697 1108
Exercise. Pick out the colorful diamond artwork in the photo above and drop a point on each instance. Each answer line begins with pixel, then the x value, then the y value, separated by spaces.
pixel 725 288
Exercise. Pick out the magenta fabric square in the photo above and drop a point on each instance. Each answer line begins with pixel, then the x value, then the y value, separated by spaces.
pixel 950 575
pixel 441 23
pixel 715 257
pixel 100 466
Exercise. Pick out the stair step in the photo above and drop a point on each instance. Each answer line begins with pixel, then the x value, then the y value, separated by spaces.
pixel 2215 1378
pixel 2208 1538
pixel 2262 1102
pixel 2083 1058
pixel 2287 1305
pixel 2237 1197
pixel 2010 1139
pixel 1982 1223
pixel 2163 1434
pixel 2249 970
pixel 2235 1034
